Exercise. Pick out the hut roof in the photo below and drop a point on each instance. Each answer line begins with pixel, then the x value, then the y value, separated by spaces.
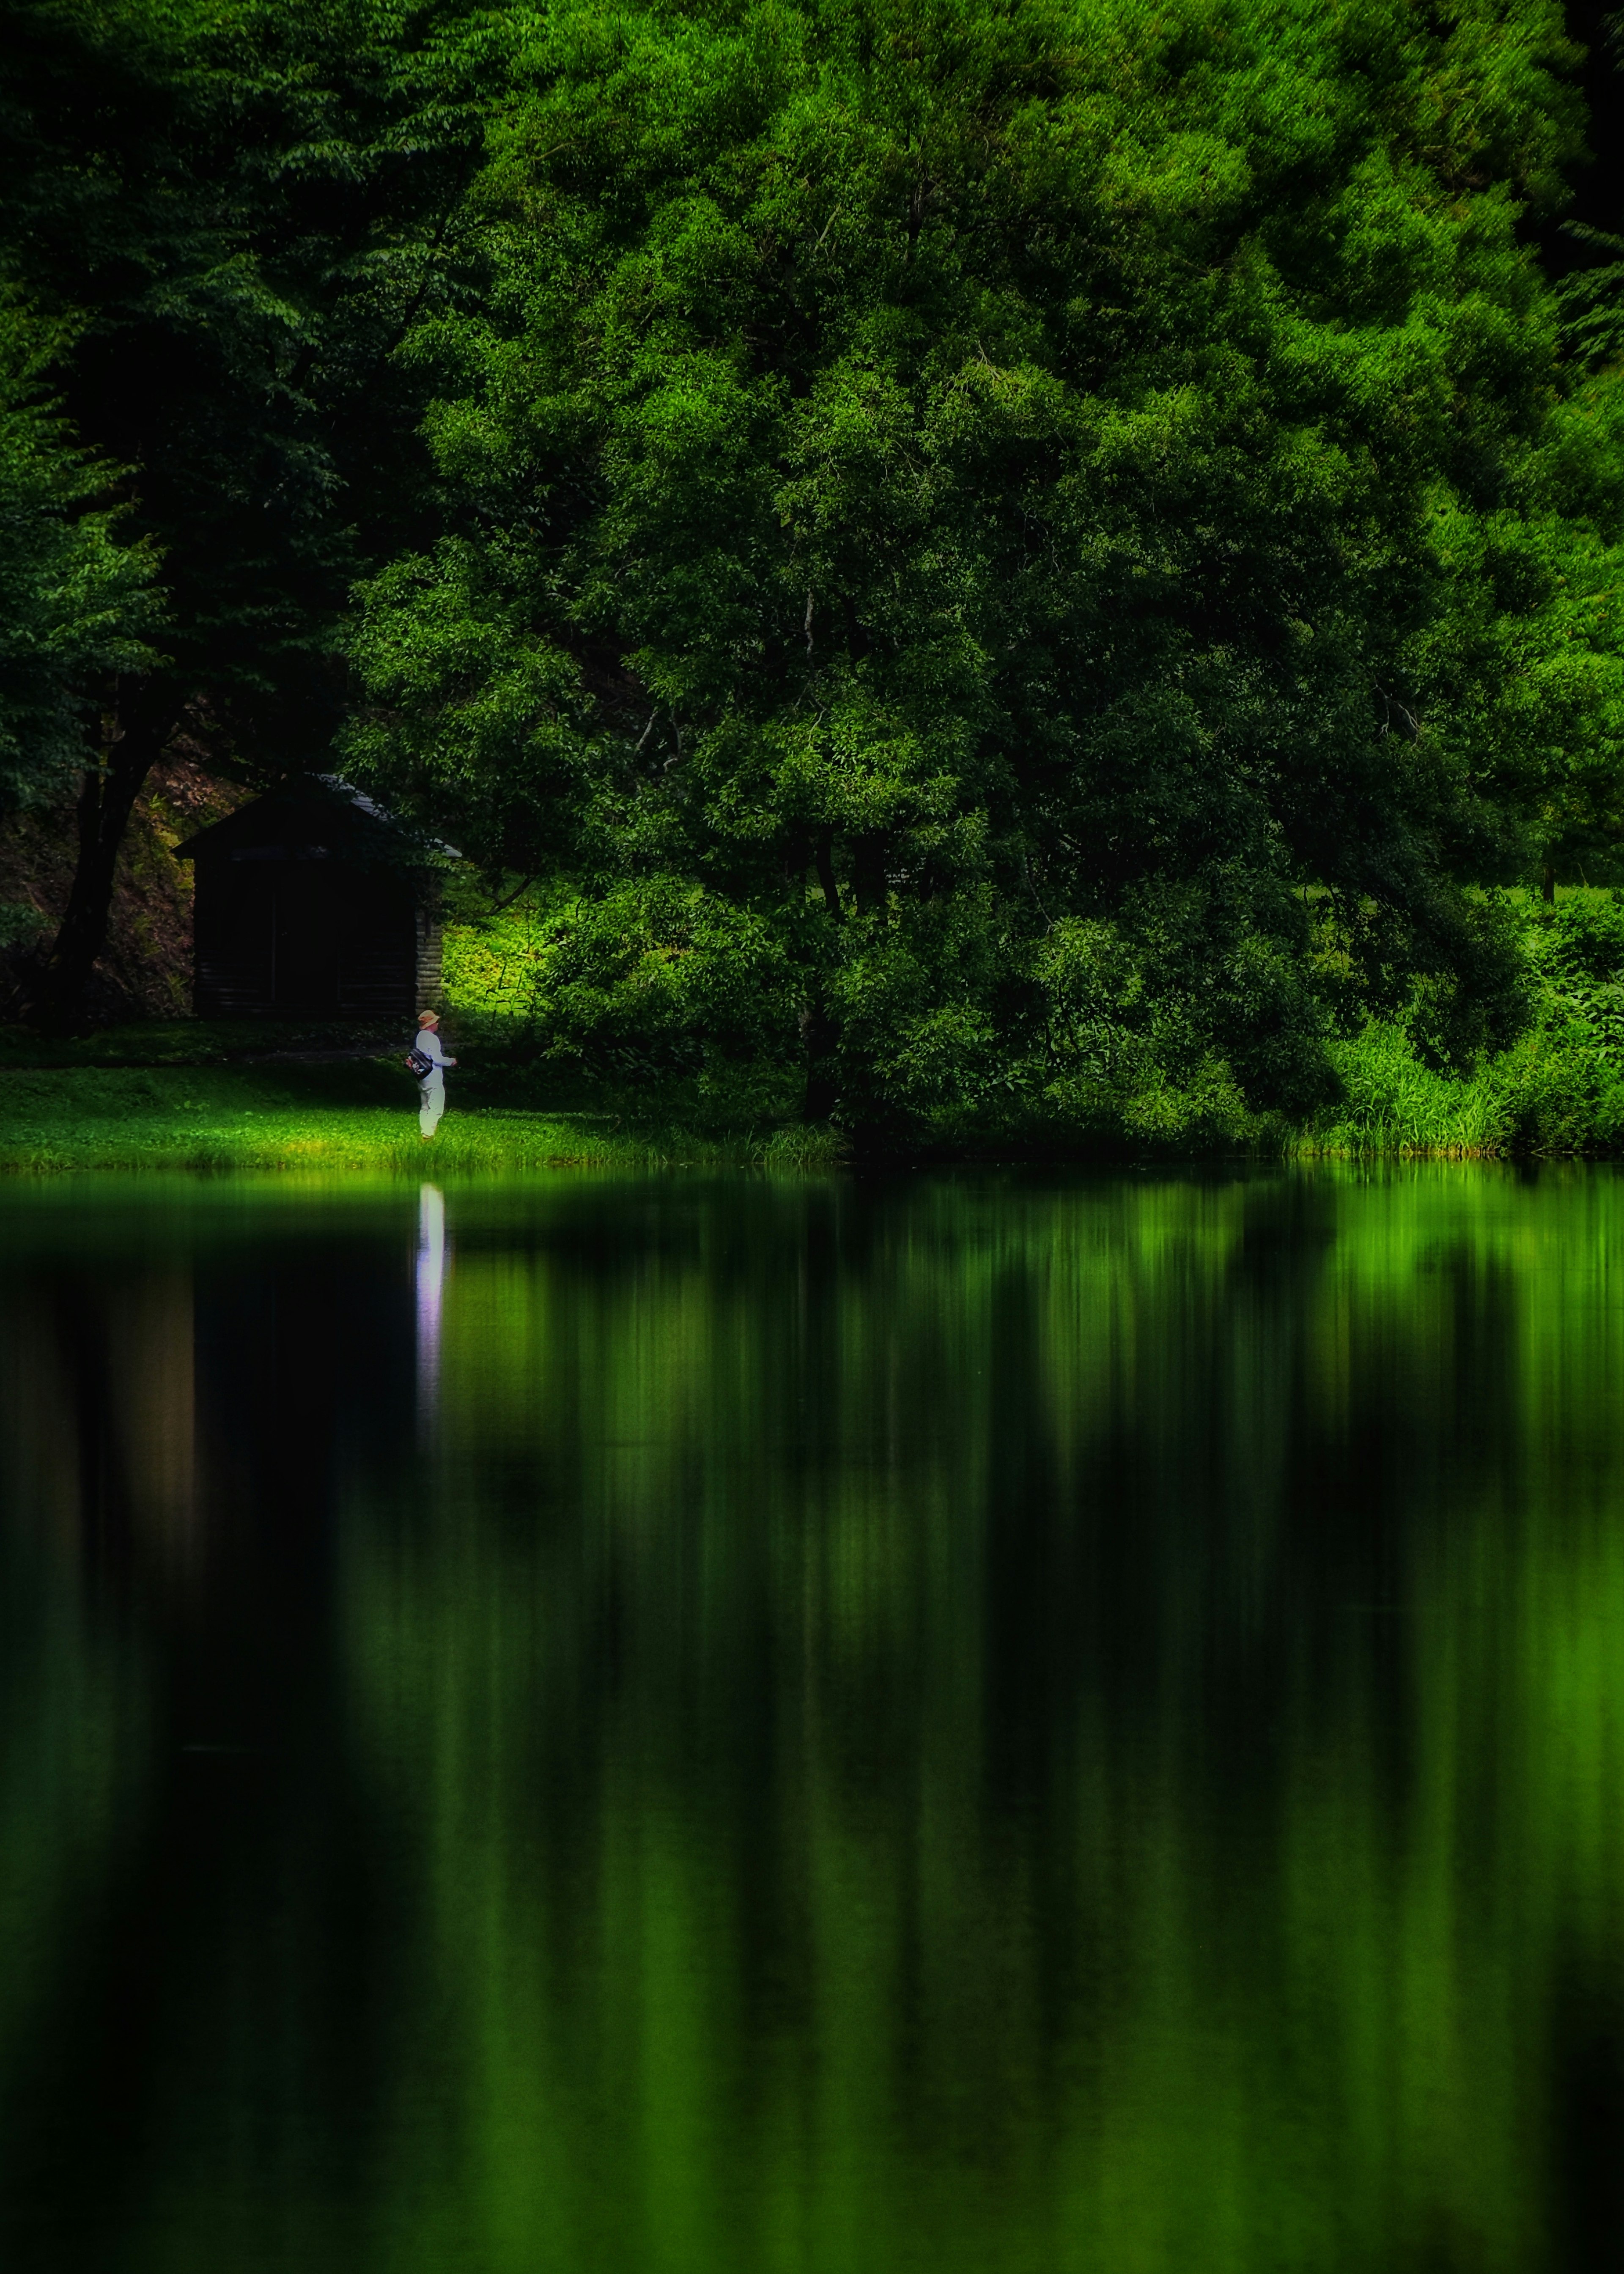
pixel 317 816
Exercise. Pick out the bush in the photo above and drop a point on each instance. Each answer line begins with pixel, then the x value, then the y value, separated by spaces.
pixel 656 987
pixel 1170 1028
pixel 1557 1089
pixel 1393 1101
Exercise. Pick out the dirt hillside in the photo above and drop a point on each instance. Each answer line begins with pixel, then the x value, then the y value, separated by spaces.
pixel 145 969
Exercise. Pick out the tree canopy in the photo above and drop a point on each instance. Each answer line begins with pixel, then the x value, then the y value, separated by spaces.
pixel 76 606
pixel 1037 531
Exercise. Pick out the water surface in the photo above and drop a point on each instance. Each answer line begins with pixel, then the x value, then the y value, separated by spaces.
pixel 728 1727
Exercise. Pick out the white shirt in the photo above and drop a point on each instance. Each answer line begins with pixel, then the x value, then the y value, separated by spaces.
pixel 430 1046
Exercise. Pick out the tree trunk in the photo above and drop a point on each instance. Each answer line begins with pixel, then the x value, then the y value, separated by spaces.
pixel 869 875
pixel 146 717
pixel 817 1028
pixel 821 1037
pixel 825 859
pixel 1547 883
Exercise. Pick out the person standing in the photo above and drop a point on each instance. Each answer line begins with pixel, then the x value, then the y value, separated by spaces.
pixel 431 1086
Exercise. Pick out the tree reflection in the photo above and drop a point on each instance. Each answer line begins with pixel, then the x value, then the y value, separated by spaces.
pixel 986 1724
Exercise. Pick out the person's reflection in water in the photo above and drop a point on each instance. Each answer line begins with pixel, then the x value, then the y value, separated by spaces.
pixel 431 1283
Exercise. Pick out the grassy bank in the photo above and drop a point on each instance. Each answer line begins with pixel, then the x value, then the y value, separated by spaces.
pixel 1549 1098
pixel 361 1114
pixel 1542 1099
pixel 183 1094
pixel 1555 1091
pixel 355 1113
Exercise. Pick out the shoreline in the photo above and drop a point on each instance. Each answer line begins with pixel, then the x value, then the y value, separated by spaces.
pixel 338 1115
pixel 354 1110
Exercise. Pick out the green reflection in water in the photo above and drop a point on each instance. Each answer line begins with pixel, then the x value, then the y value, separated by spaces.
pixel 968 1723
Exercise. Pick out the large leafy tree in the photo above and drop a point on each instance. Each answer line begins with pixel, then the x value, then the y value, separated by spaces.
pixel 233 215
pixel 991 501
pixel 76 606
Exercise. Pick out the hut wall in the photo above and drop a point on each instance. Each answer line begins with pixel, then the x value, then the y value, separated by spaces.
pixel 377 945
pixel 234 940
pixel 303 937
pixel 430 947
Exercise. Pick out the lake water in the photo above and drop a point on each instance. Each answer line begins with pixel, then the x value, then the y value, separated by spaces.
pixel 967 1723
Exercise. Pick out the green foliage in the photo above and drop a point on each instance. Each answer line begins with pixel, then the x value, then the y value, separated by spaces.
pixel 19 922
pixel 669 976
pixel 674 1006
pixel 1577 948
pixel 1010 500
pixel 494 964
pixel 1565 1084
pixel 1556 1088
pixel 1392 1102
pixel 1591 298
pixel 230 215
pixel 76 605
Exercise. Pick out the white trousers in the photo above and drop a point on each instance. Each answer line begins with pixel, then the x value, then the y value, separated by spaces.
pixel 430 1102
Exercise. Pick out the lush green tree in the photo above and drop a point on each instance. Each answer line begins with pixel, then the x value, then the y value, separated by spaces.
pixel 236 212
pixel 76 606
pixel 996 494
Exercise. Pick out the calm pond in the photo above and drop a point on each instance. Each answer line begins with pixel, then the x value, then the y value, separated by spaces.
pixel 690 1726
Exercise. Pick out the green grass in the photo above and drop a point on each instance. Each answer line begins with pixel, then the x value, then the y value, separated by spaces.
pixel 355 1114
pixel 1393 1105
pixel 211 1096
pixel 1557 1093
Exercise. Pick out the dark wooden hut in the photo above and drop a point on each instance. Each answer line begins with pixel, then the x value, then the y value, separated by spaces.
pixel 312 903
